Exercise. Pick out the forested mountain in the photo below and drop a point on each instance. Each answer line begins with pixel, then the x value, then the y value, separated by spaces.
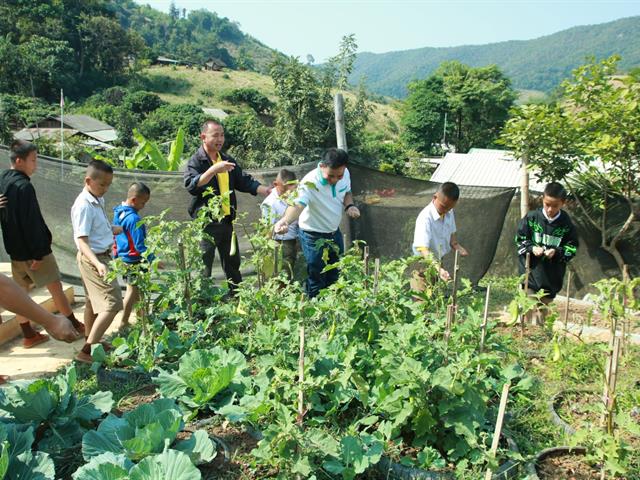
pixel 538 64
pixel 82 46
pixel 195 35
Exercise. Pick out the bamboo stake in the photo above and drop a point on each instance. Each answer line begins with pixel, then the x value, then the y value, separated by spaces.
pixel 454 294
pixel 527 269
pixel 566 307
pixel 301 378
pixel 498 430
pixel 365 260
pixel 485 317
pixel 609 397
pixel 376 276
pixel 611 378
pixel 447 333
pixel 625 300
pixel 276 259
pixel 185 274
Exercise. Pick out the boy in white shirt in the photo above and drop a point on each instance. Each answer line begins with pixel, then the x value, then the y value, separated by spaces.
pixel 93 234
pixel 435 232
pixel 273 208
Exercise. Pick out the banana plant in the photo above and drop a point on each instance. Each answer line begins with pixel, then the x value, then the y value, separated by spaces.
pixel 147 156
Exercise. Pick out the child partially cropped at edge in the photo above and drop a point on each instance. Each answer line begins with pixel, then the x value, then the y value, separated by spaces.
pixel 551 238
pixel 130 243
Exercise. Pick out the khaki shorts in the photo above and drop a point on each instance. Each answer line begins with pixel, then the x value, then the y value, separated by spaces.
pixel 25 277
pixel 419 280
pixel 101 295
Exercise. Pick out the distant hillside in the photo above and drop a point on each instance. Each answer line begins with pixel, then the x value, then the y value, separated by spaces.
pixel 539 64
pixel 209 89
pixel 194 35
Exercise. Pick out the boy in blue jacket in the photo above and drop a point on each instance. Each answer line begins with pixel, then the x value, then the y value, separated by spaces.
pixel 129 245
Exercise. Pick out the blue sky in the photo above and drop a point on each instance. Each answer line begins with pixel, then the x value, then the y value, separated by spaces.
pixel 315 27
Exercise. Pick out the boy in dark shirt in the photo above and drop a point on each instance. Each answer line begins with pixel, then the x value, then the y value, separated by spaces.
pixel 551 238
pixel 27 238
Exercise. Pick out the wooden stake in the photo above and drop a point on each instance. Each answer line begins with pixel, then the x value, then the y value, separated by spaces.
pixel 566 307
pixel 498 431
pixel 365 260
pixel 625 321
pixel 301 378
pixel 449 322
pixel 485 318
pixel 376 276
pixel 611 378
pixel 454 294
pixel 527 269
pixel 186 276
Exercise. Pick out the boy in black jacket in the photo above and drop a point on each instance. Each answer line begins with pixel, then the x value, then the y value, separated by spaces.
pixel 27 239
pixel 550 237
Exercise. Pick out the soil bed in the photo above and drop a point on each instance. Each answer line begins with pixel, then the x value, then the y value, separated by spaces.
pixel 566 467
pixel 240 444
pixel 579 409
pixel 138 396
pixel 579 314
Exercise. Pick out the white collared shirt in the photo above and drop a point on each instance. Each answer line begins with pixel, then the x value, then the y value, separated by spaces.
pixel 324 203
pixel 434 231
pixel 89 219
pixel 273 208
pixel 551 220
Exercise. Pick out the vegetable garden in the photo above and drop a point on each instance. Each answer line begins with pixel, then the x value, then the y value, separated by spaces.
pixel 366 381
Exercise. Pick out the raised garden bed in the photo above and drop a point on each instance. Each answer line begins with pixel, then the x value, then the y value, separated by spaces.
pixel 571 409
pixel 561 463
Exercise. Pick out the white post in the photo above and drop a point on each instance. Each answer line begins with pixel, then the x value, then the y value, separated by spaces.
pixel 524 187
pixel 341 134
pixel 61 133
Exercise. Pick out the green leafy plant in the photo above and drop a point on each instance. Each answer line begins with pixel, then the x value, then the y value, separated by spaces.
pixel 148 156
pixel 50 406
pixel 171 464
pixel 205 379
pixel 17 460
pixel 144 431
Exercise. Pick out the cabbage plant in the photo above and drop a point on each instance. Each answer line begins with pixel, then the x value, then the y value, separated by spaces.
pixel 147 430
pixel 50 405
pixel 210 378
pixel 170 464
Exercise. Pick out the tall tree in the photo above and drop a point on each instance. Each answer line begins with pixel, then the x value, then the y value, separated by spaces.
pixel 476 100
pixel 479 101
pixel 304 118
pixel 340 66
pixel 591 142
pixel 423 115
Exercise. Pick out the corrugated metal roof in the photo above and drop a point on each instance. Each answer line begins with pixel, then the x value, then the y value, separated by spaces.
pixel 215 112
pixel 483 168
pixel 85 123
pixel 103 135
pixel 30 134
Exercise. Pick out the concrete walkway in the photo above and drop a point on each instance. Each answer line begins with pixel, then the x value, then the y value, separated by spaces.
pixel 44 359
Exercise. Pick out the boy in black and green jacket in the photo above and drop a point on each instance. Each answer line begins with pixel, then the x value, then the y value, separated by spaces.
pixel 551 238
